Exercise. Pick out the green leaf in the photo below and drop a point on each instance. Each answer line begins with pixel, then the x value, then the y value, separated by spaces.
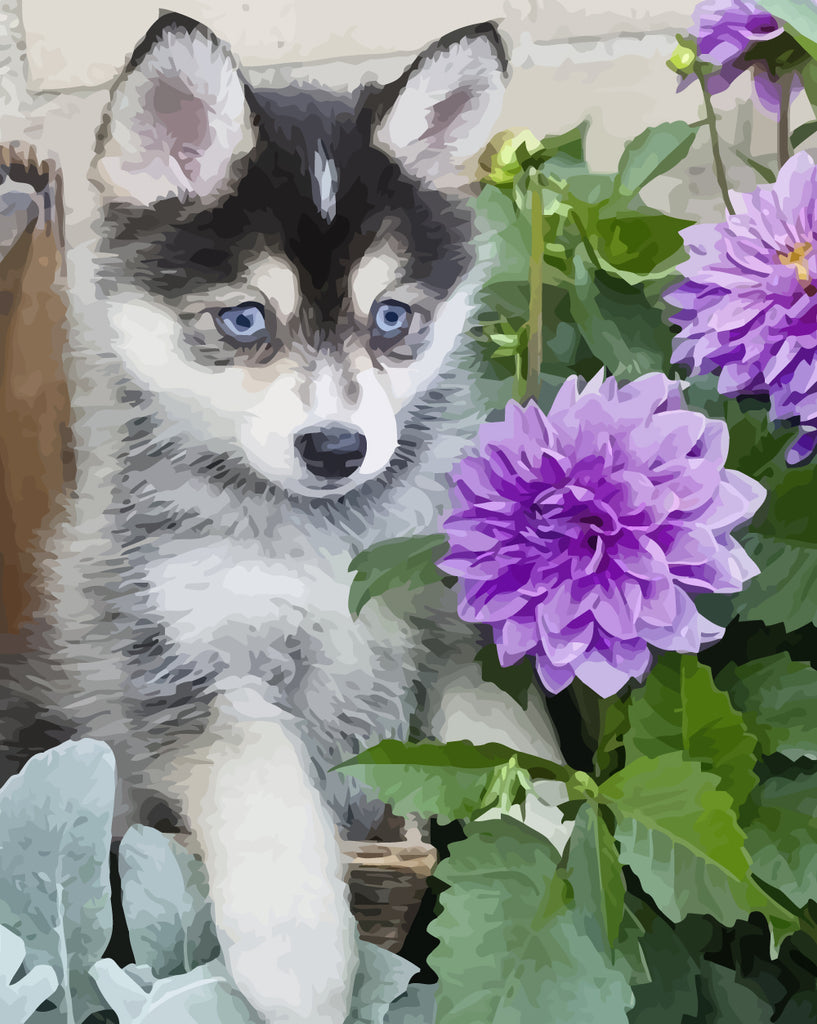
pixel 764 172
pixel 802 133
pixel 726 1001
pixel 653 152
pixel 635 243
pixel 55 838
pixel 407 561
pixel 620 327
pixel 595 876
pixel 786 589
pixel 781 836
pixel 678 833
pixel 680 708
pixel 778 698
pixel 510 944
pixel 671 994
pixel 21 999
pixel 799 17
pixel 446 779
pixel 165 900
pixel 515 680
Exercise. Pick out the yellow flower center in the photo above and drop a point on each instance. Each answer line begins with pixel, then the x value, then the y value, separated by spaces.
pixel 797 258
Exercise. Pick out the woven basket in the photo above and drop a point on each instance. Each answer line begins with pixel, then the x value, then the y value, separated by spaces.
pixel 387 883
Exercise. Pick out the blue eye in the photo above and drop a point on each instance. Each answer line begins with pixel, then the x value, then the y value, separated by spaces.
pixel 391 318
pixel 243 322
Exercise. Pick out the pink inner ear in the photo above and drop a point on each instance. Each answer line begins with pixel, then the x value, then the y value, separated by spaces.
pixel 182 125
pixel 445 114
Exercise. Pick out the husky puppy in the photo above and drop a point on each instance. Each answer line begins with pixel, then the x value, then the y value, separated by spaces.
pixel 269 373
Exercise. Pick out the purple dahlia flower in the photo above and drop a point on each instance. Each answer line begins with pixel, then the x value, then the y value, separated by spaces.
pixel 579 535
pixel 748 301
pixel 724 31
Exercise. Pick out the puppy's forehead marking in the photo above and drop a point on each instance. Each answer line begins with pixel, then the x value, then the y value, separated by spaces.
pixel 380 269
pixel 276 277
pixel 324 183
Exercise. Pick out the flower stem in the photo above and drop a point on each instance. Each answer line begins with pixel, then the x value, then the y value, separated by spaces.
pixel 537 259
pixel 720 171
pixel 783 120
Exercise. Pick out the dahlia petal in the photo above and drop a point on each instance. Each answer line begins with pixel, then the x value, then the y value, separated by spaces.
pixel 579 540
pixel 554 678
pixel 607 672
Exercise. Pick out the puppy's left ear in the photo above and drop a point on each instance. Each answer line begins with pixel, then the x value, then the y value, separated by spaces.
pixel 441 112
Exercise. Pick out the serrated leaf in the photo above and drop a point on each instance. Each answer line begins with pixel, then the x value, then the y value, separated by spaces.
pixel 165 901
pixel 510 945
pixel 653 152
pixel 55 837
pixel 18 1001
pixel 204 995
pixel 408 561
pixel 781 835
pixel 680 708
pixel 443 779
pixel 671 994
pixel 786 589
pixel 678 833
pixel 778 699
pixel 594 874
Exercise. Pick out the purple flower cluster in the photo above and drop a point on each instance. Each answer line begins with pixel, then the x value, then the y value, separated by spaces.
pixel 579 535
pixel 725 30
pixel 748 301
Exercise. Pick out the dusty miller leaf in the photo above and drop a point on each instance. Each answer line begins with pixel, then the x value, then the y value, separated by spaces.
pixel 164 897
pixel 55 837
pixel 18 1001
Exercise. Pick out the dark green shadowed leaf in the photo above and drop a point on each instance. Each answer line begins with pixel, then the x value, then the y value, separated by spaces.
pixel 786 589
pixel 781 835
pixel 595 877
pixel 620 327
pixel 55 838
pixel 653 152
pixel 680 708
pixel 801 18
pixel 778 698
pixel 408 561
pixel 511 947
pixel 671 994
pixel 802 133
pixel 725 1000
pixel 449 780
pixel 678 832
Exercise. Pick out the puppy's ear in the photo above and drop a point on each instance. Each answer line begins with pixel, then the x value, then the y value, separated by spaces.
pixel 443 109
pixel 178 119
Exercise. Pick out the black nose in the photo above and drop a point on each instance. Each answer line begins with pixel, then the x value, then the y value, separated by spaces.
pixel 331 453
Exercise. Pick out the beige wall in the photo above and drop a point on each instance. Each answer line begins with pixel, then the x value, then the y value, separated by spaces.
pixel 572 59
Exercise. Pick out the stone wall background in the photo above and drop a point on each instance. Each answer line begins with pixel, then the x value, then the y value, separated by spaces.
pixel 570 61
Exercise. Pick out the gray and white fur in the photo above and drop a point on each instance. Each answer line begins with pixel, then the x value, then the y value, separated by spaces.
pixel 247 418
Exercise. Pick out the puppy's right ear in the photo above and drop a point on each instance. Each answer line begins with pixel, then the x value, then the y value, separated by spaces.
pixel 178 119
